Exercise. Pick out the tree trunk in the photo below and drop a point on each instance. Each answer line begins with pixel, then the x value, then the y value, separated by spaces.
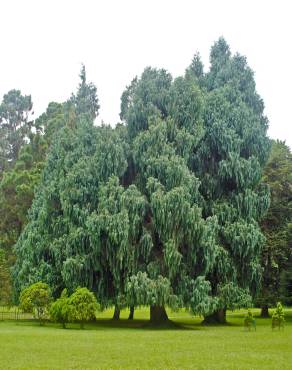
pixel 217 317
pixel 131 316
pixel 158 314
pixel 116 313
pixel 265 311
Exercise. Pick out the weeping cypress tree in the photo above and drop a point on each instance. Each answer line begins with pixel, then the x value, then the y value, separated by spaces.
pixel 56 244
pixel 119 211
pixel 203 138
pixel 164 123
pixel 55 247
pixel 229 162
pixel 162 211
pixel 116 227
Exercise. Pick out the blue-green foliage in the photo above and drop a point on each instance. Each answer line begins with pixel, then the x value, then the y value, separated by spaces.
pixel 163 210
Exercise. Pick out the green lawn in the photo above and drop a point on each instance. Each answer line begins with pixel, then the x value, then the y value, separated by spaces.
pixel 124 345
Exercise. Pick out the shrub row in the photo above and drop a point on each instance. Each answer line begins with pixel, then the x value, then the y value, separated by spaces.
pixel 80 306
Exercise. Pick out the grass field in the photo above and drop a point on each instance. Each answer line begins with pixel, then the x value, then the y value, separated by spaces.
pixel 133 345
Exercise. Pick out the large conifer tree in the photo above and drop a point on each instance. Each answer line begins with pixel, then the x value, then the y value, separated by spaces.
pixel 219 129
pixel 229 163
pixel 161 211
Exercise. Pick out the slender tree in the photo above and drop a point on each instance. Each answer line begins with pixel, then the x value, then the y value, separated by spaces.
pixel 15 126
pixel 86 100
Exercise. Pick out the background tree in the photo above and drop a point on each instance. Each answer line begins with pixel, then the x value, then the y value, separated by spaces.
pixel 15 126
pixel 17 190
pixel 52 120
pixel 5 280
pixel 277 251
pixel 286 275
pixel 20 179
pixel 86 100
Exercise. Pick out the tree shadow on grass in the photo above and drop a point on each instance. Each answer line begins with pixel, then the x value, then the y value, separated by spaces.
pixel 143 325
pixel 220 325
pixel 101 323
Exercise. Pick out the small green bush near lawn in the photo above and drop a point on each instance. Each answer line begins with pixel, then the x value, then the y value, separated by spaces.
pixel 125 344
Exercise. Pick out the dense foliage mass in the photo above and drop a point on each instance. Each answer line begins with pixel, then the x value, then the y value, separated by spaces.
pixel 80 307
pixel 163 209
pixel 21 172
pixel 277 252
pixel 5 280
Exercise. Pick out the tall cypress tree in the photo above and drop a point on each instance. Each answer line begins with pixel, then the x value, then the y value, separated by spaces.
pixel 229 164
pixel 217 125
pixel 164 119
pixel 59 244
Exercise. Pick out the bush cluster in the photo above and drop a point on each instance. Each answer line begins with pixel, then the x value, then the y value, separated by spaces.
pixel 80 306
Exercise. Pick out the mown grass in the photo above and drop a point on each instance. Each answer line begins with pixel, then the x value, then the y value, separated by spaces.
pixel 134 345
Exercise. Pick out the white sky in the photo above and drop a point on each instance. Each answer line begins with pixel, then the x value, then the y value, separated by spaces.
pixel 44 42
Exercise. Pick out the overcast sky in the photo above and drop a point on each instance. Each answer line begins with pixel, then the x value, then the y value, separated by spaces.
pixel 43 44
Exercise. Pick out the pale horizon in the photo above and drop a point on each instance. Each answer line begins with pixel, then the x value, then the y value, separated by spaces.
pixel 44 44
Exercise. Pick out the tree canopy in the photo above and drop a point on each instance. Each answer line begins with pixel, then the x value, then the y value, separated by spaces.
pixel 164 208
